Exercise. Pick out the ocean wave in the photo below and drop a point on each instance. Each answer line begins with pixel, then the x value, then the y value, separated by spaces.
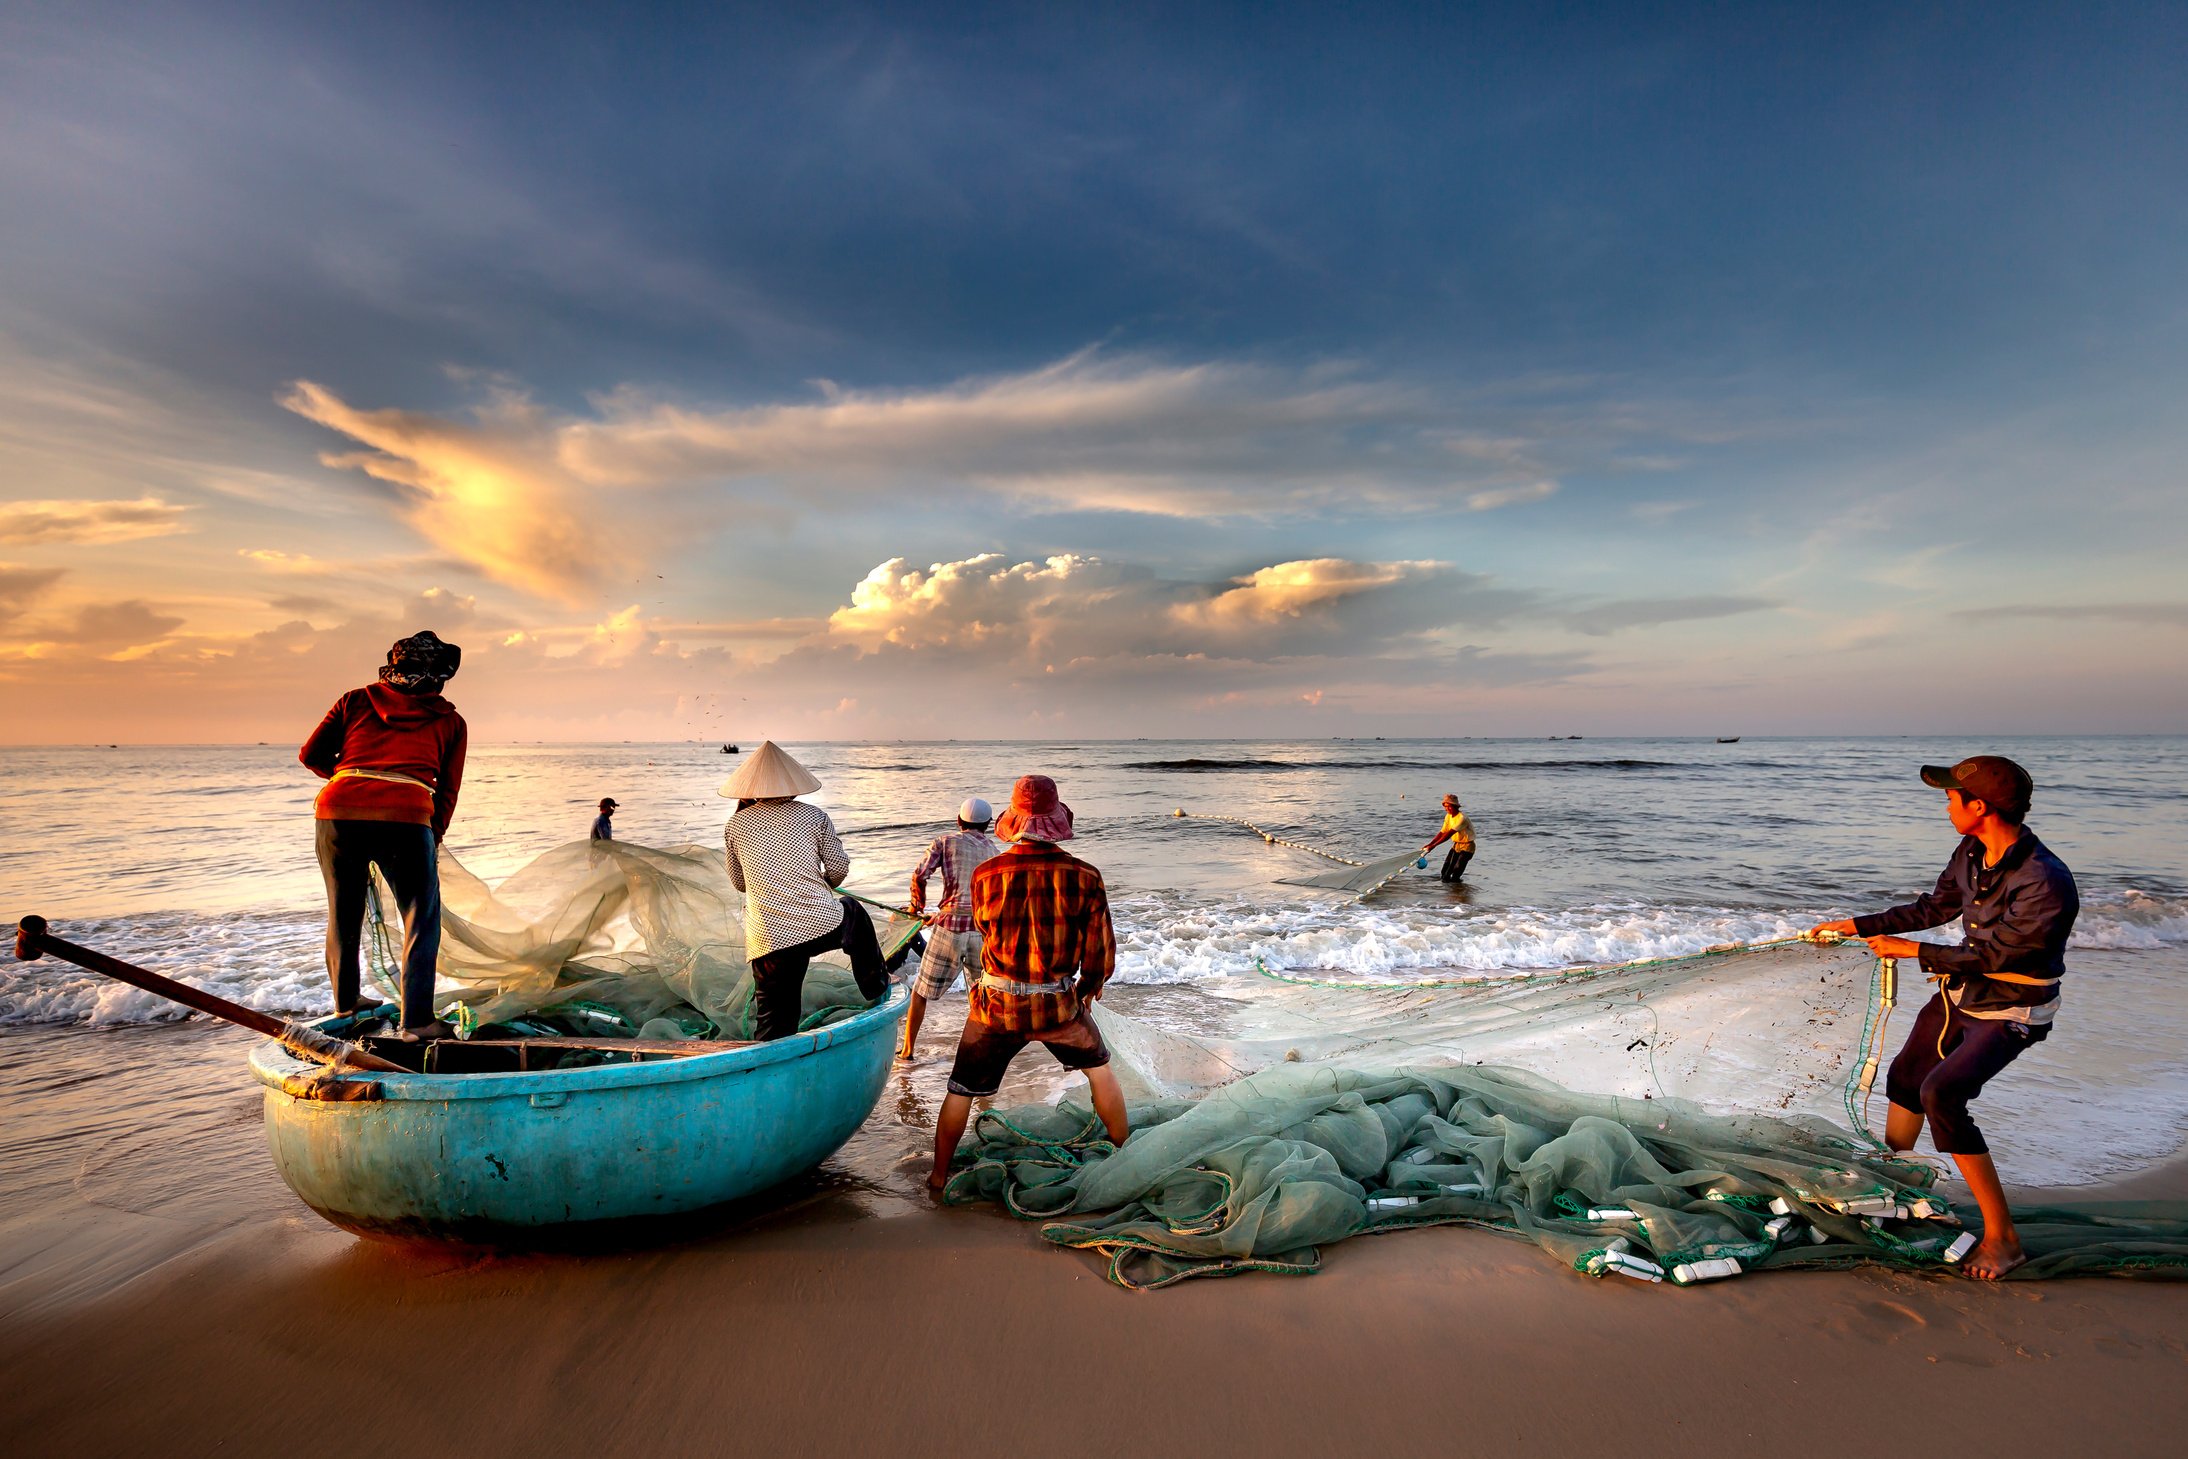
pixel 1162 940
pixel 273 960
pixel 2131 921
pixel 1166 939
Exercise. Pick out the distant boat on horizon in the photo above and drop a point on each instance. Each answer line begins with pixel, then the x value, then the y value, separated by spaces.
pixel 729 749
pixel 1728 739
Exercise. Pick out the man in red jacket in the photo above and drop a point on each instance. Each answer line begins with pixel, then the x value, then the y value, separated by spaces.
pixel 392 756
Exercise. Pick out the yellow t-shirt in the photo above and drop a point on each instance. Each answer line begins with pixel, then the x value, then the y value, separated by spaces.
pixel 1460 830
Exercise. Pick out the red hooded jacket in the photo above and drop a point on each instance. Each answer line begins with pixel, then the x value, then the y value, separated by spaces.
pixel 380 729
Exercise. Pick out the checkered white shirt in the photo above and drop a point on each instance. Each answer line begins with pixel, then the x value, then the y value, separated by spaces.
pixel 785 858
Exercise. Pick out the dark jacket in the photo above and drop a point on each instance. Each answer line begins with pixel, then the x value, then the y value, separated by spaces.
pixel 378 728
pixel 2017 915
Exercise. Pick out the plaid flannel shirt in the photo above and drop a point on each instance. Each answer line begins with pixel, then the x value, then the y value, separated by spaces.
pixel 1043 916
pixel 955 856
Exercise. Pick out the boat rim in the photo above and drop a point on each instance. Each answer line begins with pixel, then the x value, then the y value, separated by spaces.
pixel 272 1065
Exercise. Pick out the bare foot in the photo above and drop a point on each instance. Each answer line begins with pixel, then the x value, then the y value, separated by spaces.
pixel 1993 1259
pixel 937 1181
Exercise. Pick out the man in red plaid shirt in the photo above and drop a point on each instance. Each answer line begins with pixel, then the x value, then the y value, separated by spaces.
pixel 1047 948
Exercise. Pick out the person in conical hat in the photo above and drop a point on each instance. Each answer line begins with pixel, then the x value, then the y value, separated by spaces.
pixel 785 857
pixel 770 772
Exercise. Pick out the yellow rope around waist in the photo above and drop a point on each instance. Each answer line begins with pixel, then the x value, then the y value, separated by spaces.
pixel 395 777
pixel 1944 991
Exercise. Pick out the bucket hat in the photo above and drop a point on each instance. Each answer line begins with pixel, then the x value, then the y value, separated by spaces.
pixel 768 773
pixel 1036 812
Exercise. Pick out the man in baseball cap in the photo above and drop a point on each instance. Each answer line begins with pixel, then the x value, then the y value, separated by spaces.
pixel 953 945
pixel 1998 988
pixel 604 823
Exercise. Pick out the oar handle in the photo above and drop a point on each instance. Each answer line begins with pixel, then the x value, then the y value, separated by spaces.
pixel 32 940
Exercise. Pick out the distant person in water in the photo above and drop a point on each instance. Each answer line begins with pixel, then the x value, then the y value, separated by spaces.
pixel 1998 988
pixel 953 944
pixel 604 823
pixel 785 857
pixel 392 756
pixel 1047 950
pixel 1459 831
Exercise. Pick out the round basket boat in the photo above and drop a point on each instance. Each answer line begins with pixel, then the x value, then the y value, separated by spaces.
pixel 486 1157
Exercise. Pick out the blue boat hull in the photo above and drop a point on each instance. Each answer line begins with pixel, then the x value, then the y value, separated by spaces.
pixel 493 1156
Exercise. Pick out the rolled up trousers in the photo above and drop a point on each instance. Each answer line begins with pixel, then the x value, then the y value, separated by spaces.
pixel 348 850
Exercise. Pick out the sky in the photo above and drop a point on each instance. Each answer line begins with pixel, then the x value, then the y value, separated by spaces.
pixel 1059 371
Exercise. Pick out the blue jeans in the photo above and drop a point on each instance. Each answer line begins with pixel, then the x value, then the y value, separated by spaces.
pixel 348 850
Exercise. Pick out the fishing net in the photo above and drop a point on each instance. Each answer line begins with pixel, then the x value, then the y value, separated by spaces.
pixel 1359 878
pixel 1724 1130
pixel 608 937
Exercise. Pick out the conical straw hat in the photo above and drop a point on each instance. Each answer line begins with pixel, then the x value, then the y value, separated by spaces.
pixel 769 772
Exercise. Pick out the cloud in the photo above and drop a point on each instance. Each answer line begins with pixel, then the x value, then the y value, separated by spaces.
pixel 88 522
pixel 2147 615
pixel 1090 615
pixel 95 628
pixel 1067 603
pixel 21 586
pixel 487 492
pixel 1295 590
pixel 128 624
pixel 1507 496
pixel 1090 432
pixel 1602 619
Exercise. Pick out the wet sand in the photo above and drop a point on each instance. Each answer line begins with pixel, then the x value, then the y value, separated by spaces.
pixel 161 1290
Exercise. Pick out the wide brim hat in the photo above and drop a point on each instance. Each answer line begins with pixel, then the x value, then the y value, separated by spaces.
pixel 1037 812
pixel 767 773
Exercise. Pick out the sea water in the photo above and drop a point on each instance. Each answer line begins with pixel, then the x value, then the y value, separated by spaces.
pixel 198 861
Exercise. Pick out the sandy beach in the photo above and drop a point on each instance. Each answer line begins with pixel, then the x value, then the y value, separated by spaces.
pixel 163 1290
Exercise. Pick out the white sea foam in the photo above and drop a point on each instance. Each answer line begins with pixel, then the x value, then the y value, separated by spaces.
pixel 273 961
pixel 1164 938
pixel 269 960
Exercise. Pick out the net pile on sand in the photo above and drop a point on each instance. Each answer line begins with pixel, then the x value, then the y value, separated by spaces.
pixel 609 937
pixel 1724 1131
pixel 1263 1173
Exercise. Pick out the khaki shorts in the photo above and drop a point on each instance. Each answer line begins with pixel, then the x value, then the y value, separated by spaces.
pixel 948 954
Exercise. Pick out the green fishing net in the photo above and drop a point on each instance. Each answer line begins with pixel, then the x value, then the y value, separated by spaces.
pixel 608 938
pixel 1262 1174
pixel 1726 1130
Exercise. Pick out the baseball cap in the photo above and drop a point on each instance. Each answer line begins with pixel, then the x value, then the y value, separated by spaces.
pixel 1992 779
pixel 607 805
pixel 975 812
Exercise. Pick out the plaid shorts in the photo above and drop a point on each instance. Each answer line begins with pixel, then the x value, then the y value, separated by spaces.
pixel 948 954
pixel 984 1052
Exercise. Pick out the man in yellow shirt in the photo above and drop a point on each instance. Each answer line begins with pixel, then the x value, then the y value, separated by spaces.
pixel 1459 831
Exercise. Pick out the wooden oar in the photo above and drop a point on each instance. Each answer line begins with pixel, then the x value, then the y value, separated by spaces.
pixel 32 941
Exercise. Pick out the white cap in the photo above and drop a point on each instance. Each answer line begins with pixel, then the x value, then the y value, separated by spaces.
pixel 975 811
